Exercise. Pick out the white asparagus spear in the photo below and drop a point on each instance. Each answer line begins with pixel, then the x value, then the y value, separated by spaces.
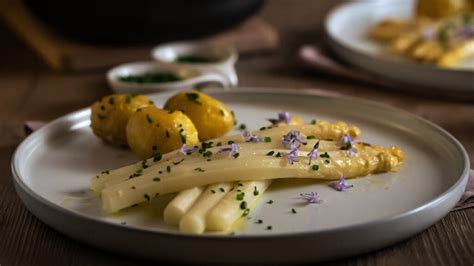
pixel 194 221
pixel 235 204
pixel 369 159
pixel 181 204
pixel 321 130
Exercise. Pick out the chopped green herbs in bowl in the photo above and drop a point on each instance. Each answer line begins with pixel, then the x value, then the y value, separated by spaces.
pixel 158 77
pixel 195 59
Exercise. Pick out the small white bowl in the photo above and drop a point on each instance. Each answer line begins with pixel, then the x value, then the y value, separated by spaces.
pixel 226 57
pixel 191 77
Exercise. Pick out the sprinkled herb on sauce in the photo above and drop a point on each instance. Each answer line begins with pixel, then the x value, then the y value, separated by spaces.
pixel 267 139
pixel 151 78
pixel 270 201
pixel 259 222
pixel 105 172
pixel 199 169
pixel 168 168
pixel 240 196
pixel 243 205
pixel 246 212
pixel 178 162
pixel 270 153
pixel 293 210
pixel 156 179
pixel 313 122
pixel 222 189
pixel 315 167
pixel 147 197
pixel 255 191
pixel 213 191
pixel 311 137
pixel 269 227
pixel 195 59
pixel 243 127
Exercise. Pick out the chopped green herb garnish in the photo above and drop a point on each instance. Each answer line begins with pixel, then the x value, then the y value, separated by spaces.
pixel 270 153
pixel 168 168
pixel 105 172
pixel 178 162
pixel 243 127
pixel 269 227
pixel 293 210
pixel 236 155
pixel 213 191
pixel 112 100
pixel 270 201
pixel 260 222
pixel 137 173
pixel 195 59
pixel 240 185
pixel 327 161
pixel 199 169
pixel 230 142
pixel 310 137
pixel 156 179
pixel 262 128
pixel 219 144
pixel 222 189
pixel 133 187
pixel 278 155
pixel 267 139
pixel 128 99
pixel 243 205
pixel 255 191
pixel 246 212
pixel 144 164
pixel 325 155
pixel 157 156
pixel 123 223
pixel 313 122
pixel 146 197
pixel 193 97
pixel 207 154
pixel 315 167
pixel 240 196
pixel 148 118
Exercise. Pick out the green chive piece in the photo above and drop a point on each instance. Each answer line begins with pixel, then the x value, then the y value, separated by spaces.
pixel 315 167
pixel 243 205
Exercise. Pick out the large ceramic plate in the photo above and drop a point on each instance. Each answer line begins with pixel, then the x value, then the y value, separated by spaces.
pixel 53 166
pixel 347 27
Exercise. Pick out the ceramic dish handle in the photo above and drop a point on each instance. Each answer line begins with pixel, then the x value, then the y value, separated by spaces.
pixel 214 77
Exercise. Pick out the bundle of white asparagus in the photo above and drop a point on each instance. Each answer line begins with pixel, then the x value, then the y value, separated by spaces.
pixel 222 179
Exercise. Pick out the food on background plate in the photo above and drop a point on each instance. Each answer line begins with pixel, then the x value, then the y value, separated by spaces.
pixel 221 179
pixel 442 36
pixel 210 116
pixel 110 115
pixel 153 131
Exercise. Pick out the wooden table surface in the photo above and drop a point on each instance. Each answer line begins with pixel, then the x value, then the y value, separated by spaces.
pixel 31 91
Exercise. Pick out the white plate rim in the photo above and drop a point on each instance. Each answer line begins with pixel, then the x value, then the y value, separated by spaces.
pixel 19 184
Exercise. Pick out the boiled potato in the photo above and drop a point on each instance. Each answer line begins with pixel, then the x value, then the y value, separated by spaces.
pixel 151 131
pixel 110 115
pixel 442 8
pixel 210 116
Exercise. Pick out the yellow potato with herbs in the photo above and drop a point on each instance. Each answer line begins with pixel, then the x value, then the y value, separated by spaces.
pixel 110 115
pixel 153 131
pixel 210 116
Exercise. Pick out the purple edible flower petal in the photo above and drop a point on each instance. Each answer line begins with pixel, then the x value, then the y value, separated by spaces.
pixel 249 137
pixel 233 150
pixel 283 117
pixel 340 185
pixel 293 154
pixel 347 143
pixel 314 152
pixel 311 197
pixel 187 151
pixel 292 137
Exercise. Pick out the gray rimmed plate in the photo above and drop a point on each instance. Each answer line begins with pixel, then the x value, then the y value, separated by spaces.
pixel 53 166
pixel 347 27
